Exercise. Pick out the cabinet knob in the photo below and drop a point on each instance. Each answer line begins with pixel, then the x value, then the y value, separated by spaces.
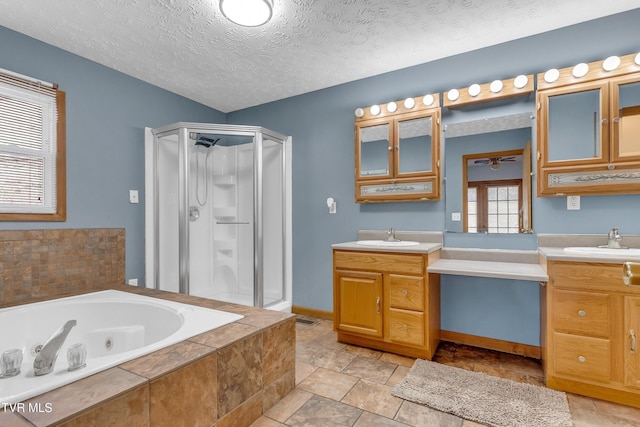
pixel 582 359
pixel 582 313
pixel 405 327
pixel 389 148
pixel 404 292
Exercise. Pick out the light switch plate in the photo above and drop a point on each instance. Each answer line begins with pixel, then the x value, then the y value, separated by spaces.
pixel 455 216
pixel 573 203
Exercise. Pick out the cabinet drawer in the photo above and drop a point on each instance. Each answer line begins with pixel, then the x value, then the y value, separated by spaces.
pixel 406 292
pixel 587 276
pixel 583 357
pixel 384 262
pixel 406 327
pixel 583 313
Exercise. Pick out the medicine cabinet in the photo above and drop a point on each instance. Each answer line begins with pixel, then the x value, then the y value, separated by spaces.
pixel 589 128
pixel 397 151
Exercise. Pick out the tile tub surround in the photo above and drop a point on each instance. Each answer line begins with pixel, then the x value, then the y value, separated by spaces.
pixel 226 377
pixel 46 263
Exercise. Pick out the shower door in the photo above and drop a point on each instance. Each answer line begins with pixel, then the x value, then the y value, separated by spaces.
pixel 221 206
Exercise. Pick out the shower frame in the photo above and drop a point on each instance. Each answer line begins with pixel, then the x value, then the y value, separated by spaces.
pixel 182 130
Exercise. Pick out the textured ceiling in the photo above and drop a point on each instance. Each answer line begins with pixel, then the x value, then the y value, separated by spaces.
pixel 189 48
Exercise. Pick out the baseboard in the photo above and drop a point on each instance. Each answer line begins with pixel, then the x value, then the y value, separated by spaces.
pixel 492 344
pixel 320 314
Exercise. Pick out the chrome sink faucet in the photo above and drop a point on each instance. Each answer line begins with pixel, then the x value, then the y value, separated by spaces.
pixel 614 239
pixel 391 236
pixel 46 357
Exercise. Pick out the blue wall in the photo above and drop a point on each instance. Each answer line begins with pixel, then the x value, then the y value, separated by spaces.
pixel 107 112
pixel 321 124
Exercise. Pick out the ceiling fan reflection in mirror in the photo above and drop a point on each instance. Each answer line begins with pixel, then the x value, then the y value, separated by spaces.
pixel 494 162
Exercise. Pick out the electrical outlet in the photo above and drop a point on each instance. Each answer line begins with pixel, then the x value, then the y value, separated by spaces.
pixel 573 203
pixel 455 216
pixel 133 282
pixel 133 196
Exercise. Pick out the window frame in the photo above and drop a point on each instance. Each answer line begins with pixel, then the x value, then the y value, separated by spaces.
pixel 60 167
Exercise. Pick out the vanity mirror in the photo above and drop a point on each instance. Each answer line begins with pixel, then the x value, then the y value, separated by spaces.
pixel 488 174
pixel 397 148
pixel 588 127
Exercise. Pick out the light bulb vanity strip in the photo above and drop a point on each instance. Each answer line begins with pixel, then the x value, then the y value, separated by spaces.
pixel 408 105
pixel 493 91
pixel 584 72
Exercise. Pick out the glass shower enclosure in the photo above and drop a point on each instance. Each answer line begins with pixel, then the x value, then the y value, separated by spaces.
pixel 217 211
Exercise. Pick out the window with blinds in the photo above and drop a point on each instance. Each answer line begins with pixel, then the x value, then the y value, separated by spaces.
pixel 32 150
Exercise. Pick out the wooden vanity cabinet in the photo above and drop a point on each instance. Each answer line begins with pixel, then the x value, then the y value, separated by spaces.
pixel 589 318
pixel 397 153
pixel 587 130
pixel 386 301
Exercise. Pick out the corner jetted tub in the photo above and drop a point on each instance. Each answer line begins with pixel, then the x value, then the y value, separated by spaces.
pixel 115 327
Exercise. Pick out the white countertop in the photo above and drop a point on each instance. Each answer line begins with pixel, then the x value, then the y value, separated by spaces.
pixel 495 269
pixel 559 254
pixel 422 248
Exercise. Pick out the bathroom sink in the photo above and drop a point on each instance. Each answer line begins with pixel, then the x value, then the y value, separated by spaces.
pixel 603 251
pixel 385 243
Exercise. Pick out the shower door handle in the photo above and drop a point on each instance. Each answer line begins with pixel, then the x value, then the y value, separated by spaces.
pixel 232 222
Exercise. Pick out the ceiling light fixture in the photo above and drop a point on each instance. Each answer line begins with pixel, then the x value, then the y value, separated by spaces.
pixel 248 13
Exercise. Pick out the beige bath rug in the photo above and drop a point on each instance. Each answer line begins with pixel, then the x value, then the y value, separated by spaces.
pixel 482 398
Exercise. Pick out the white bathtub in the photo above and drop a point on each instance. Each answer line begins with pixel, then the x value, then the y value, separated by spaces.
pixel 115 326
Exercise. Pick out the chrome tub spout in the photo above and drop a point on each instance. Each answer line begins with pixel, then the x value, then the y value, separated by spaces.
pixel 46 358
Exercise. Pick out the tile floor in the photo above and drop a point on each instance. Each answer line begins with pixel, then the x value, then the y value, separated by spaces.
pixel 344 385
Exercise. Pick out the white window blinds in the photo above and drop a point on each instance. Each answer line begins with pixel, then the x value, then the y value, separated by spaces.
pixel 28 120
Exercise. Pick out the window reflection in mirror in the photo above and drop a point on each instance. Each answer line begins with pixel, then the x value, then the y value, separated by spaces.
pixel 374 150
pixel 492 193
pixel 492 183
pixel 415 145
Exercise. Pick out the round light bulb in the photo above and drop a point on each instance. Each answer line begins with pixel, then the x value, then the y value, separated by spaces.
pixel 496 86
pixel 580 70
pixel 375 110
pixel 248 13
pixel 428 100
pixel 392 107
pixel 474 89
pixel 409 103
pixel 453 94
pixel 520 81
pixel 611 63
pixel 359 112
pixel 551 75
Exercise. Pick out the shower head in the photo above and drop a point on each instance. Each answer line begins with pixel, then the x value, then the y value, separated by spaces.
pixel 206 142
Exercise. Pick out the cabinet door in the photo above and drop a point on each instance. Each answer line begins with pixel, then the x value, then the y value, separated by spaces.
pixel 573 125
pixel 374 145
pixel 632 341
pixel 625 112
pixel 359 302
pixel 416 152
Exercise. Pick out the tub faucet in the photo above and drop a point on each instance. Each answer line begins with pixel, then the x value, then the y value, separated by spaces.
pixel 46 358
pixel 614 239
pixel 391 236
